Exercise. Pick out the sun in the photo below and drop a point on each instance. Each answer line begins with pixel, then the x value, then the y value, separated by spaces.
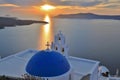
pixel 47 7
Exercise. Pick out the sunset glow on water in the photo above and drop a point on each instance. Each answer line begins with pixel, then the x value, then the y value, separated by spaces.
pixel 46 33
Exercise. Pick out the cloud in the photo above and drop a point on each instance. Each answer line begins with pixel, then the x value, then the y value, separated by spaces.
pixel 81 3
pixel 8 5
pixel 111 4
pixel 21 2
pixel 84 3
pixel 60 2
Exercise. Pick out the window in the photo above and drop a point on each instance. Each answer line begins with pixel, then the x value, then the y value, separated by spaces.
pixel 63 50
pixel 59 38
pixel 56 48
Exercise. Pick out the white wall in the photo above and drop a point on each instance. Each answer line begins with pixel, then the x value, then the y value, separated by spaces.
pixel 94 74
pixel 62 77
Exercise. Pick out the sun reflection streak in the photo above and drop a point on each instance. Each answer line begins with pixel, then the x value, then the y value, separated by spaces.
pixel 47 26
pixel 46 33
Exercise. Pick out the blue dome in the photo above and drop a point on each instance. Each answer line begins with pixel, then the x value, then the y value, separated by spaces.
pixel 47 64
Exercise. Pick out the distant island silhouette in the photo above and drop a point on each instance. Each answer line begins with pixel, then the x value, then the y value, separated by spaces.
pixel 12 22
pixel 89 16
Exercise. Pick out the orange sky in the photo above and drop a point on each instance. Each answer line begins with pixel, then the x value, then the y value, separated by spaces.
pixel 35 10
pixel 111 7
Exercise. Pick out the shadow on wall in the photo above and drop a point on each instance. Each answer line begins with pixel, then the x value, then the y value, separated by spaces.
pixel 87 77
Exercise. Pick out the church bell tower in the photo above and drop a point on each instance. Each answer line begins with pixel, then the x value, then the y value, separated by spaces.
pixel 59 44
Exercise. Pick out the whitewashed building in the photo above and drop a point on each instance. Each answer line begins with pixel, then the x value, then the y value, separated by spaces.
pixel 54 63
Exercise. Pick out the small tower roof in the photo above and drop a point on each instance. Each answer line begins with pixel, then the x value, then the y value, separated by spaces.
pixel 47 64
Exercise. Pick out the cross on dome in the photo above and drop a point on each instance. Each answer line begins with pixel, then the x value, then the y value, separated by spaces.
pixel 48 45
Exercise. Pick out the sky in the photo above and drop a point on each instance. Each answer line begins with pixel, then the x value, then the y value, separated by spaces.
pixel 32 7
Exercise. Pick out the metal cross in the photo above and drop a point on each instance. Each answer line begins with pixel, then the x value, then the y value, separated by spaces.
pixel 48 45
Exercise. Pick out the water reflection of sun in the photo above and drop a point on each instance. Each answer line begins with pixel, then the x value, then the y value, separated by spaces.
pixel 46 33
pixel 47 26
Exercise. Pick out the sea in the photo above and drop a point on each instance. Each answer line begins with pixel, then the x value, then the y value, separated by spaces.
pixel 96 39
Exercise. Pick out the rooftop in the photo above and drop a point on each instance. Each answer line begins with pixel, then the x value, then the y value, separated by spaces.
pixel 14 65
pixel 83 66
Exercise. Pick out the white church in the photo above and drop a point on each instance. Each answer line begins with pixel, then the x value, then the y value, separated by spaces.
pixel 54 63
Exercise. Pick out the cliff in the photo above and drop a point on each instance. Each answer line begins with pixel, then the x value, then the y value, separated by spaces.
pixel 89 16
pixel 11 22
